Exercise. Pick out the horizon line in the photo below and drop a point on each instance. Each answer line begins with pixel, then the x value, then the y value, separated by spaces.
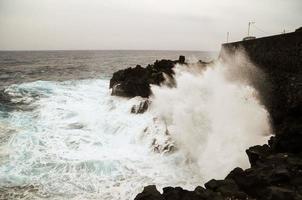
pixel 2 50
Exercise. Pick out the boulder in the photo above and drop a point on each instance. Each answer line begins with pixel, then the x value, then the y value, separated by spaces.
pixel 141 108
pixel 177 193
pixel 130 82
pixel 227 188
pixel 149 193
pixel 257 153
pixel 4 98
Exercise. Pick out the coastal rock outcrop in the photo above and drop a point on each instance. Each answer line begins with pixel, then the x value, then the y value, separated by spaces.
pixel 136 81
pixel 272 176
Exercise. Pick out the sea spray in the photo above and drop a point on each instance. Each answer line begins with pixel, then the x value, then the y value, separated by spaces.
pixel 214 115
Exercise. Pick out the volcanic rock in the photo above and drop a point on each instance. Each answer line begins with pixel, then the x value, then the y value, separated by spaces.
pixel 141 108
pixel 136 81
pixel 149 193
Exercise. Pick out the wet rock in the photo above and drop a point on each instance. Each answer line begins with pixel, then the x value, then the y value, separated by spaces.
pixel 182 59
pixel 281 169
pixel 279 193
pixel 177 193
pixel 204 193
pixel 166 146
pixel 10 100
pixel 4 97
pixel 6 102
pixel 130 82
pixel 288 142
pixel 200 193
pixel 141 108
pixel 257 153
pixel 227 188
pixel 149 193
pixel 136 81
pixel 299 29
pixel 272 175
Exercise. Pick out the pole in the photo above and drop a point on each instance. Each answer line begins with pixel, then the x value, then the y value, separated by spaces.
pixel 228 33
pixel 249 27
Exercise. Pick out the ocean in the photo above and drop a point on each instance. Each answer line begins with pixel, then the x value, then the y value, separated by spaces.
pixel 63 136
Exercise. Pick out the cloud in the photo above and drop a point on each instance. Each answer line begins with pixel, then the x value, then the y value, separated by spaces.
pixel 139 24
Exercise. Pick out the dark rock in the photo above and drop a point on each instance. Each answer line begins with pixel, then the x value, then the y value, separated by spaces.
pixel 141 108
pixel 299 29
pixel 288 142
pixel 279 193
pixel 282 170
pixel 131 88
pixel 4 98
pixel 130 82
pixel 8 104
pixel 206 194
pixel 149 193
pixel 182 59
pixel 227 187
pixel 177 193
pixel 226 192
pixel 170 193
pixel 136 81
pixel 257 153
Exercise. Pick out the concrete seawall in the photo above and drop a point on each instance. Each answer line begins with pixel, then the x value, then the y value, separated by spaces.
pixel 280 58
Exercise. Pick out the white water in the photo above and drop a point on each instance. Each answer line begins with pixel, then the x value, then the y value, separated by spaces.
pixel 81 143
pixel 212 119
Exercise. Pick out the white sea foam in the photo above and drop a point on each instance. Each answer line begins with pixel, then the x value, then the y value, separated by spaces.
pixel 82 143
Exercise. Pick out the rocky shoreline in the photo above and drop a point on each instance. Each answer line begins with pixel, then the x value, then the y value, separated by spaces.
pixel 136 81
pixel 276 167
pixel 275 174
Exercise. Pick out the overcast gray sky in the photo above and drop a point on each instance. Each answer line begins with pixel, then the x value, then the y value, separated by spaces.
pixel 140 24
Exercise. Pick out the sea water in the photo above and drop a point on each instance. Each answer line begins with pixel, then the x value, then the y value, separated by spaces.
pixel 66 137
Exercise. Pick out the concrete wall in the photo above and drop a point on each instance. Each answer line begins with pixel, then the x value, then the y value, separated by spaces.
pixel 280 58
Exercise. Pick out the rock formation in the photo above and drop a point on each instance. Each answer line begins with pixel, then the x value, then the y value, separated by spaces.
pixel 136 81
pixel 275 174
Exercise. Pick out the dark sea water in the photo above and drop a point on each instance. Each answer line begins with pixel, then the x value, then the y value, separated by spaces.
pixel 29 66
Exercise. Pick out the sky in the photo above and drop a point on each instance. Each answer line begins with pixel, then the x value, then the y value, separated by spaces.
pixel 140 24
